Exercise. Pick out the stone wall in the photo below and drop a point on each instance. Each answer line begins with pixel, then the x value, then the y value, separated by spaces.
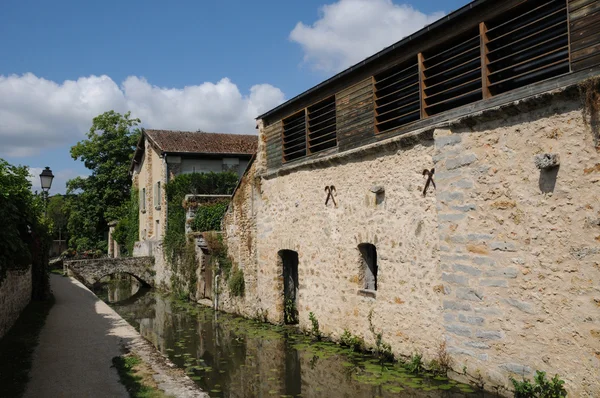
pixel 501 261
pixel 15 294
pixel 520 247
pixel 378 200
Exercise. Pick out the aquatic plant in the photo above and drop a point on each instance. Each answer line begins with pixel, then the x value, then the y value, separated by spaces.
pixel 355 342
pixel 540 388
pixel 315 331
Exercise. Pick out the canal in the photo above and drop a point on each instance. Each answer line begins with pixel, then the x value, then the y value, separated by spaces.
pixel 230 356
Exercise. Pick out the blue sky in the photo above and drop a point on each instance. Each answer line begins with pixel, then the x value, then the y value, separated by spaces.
pixel 210 65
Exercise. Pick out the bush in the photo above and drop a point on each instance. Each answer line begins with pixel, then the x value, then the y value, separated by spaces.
pixel 127 229
pixel 209 216
pixel 415 365
pixel 540 388
pixel 236 283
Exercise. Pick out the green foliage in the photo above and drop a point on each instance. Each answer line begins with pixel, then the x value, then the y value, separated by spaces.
pixel 352 341
pixel 103 196
pixel 415 365
pixel 290 312
pixel 382 349
pixel 127 229
pixel 315 331
pixel 209 216
pixel 18 212
pixel 25 236
pixel 540 388
pixel 186 184
pixel 219 255
pixel 135 382
pixel 58 213
pixel 236 283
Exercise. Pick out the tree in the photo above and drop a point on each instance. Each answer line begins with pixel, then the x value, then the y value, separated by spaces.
pixel 24 236
pixel 103 196
pixel 58 213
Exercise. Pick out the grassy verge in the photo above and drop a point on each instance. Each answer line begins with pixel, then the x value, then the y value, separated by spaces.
pixel 18 345
pixel 136 376
pixel 57 272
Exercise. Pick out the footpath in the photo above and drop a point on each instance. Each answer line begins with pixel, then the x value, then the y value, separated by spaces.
pixel 80 338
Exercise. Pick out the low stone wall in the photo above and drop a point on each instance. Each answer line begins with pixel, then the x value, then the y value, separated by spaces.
pixel 15 294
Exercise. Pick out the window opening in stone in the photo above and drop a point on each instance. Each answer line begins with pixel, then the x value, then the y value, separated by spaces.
pixel 289 261
pixel 368 253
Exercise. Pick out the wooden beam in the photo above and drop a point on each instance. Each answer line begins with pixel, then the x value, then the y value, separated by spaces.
pixel 421 61
pixel 485 73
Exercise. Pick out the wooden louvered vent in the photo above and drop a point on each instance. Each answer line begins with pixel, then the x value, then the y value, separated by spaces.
pixel 526 45
pixel 322 125
pixel 294 136
pixel 397 98
pixel 452 74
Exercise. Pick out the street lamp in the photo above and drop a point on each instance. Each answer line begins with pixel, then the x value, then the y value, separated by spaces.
pixel 46 178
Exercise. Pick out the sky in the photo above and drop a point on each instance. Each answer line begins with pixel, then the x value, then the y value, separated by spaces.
pixel 211 65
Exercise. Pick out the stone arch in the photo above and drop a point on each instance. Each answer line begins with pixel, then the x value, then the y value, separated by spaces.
pixel 90 271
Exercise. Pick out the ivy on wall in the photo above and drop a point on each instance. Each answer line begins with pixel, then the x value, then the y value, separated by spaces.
pixel 179 254
pixel 208 216
pixel 127 230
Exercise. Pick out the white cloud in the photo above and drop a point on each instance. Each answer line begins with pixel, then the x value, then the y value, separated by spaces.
pixel 36 113
pixel 351 30
pixel 59 182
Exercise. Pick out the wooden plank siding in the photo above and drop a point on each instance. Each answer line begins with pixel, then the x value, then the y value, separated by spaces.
pixel 584 26
pixel 273 133
pixel 500 50
pixel 355 113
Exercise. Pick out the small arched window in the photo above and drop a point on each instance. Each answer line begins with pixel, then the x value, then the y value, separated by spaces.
pixel 368 254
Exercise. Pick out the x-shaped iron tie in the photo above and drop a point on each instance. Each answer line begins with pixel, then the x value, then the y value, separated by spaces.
pixel 429 174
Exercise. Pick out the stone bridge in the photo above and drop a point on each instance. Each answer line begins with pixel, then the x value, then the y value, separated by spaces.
pixel 90 271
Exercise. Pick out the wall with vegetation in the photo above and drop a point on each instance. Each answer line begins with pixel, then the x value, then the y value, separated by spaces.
pixel 500 261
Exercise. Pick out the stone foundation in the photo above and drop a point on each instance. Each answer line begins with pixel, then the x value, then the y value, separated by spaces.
pixel 15 294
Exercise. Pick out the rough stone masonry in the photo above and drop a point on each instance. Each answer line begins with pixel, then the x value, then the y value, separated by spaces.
pixel 501 261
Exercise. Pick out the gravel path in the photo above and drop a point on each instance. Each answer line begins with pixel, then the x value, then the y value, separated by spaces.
pixel 79 339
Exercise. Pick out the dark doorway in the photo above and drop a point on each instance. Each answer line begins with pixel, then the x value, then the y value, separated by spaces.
pixel 289 260
pixel 368 253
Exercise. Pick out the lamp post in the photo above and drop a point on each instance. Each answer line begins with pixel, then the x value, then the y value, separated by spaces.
pixel 46 178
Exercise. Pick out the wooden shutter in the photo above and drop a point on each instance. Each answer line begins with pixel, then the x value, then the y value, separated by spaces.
pixel 294 136
pixel 322 125
pixel 452 73
pixel 528 44
pixel 397 98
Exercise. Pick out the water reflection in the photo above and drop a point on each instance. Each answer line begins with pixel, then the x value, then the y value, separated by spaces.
pixel 117 287
pixel 229 356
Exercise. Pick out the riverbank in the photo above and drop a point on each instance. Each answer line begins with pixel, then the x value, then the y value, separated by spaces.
pixel 77 345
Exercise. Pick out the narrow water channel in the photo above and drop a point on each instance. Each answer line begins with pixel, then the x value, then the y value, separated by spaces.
pixel 229 356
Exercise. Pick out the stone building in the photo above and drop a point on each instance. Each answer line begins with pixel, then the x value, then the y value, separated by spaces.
pixel 163 154
pixel 443 190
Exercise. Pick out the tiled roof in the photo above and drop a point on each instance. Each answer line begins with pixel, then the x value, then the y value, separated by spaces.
pixel 168 141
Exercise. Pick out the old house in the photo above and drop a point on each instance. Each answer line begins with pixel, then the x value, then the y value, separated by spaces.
pixel 163 154
pixel 443 190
